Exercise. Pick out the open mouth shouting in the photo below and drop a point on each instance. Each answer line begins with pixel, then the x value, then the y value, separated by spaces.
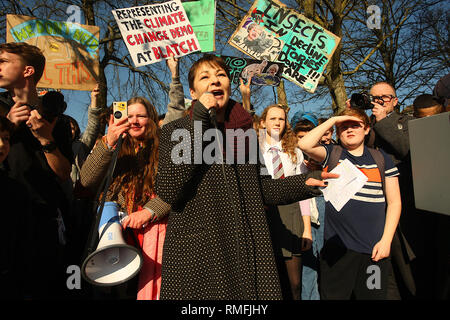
pixel 218 93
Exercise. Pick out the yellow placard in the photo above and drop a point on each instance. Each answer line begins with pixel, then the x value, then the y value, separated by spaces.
pixel 70 49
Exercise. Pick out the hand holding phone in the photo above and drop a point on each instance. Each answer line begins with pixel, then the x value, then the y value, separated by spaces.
pixel 120 110
pixel 118 123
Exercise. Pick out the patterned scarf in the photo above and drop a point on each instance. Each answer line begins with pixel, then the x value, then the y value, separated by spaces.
pixel 236 117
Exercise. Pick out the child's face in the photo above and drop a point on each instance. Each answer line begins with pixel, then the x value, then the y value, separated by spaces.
pixel 352 134
pixel 4 145
pixel 275 122
pixel 326 138
pixel 301 134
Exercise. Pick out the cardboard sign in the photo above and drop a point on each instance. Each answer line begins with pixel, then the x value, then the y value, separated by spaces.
pixel 305 47
pixel 256 41
pixel 70 49
pixel 153 32
pixel 202 15
pixel 262 73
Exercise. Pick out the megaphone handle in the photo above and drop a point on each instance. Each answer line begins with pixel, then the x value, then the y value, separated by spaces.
pixel 93 240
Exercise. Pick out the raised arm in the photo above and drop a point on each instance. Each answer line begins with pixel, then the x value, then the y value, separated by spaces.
pixel 96 164
pixel 176 107
pixel 310 142
pixel 83 147
pixel 93 124
pixel 246 93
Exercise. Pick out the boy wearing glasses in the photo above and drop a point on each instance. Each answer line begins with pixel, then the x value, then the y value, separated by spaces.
pixel 358 237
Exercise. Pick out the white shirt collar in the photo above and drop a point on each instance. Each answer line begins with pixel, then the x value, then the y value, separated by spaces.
pixel 268 146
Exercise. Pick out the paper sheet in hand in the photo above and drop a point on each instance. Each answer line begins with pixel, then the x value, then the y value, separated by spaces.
pixel 340 190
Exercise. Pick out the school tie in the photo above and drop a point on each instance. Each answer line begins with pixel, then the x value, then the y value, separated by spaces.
pixel 278 172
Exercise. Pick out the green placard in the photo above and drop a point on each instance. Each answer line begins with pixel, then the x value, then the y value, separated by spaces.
pixel 271 31
pixel 202 16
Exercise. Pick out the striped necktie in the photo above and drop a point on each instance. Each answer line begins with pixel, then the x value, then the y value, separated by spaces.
pixel 278 172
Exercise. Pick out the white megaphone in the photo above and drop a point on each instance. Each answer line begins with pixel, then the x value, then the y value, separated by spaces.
pixel 114 261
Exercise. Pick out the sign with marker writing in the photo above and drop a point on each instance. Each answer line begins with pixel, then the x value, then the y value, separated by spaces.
pixel 305 48
pixel 70 50
pixel 262 73
pixel 153 32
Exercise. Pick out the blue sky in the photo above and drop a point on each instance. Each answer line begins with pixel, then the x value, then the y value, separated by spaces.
pixel 78 101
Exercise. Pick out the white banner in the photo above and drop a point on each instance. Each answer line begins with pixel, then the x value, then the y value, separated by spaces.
pixel 153 32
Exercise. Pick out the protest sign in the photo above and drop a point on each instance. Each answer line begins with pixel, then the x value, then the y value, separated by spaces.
pixel 153 32
pixel 256 41
pixel 262 73
pixel 306 47
pixel 202 15
pixel 70 49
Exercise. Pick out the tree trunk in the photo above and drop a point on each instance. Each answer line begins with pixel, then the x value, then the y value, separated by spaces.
pixel 334 76
pixel 337 92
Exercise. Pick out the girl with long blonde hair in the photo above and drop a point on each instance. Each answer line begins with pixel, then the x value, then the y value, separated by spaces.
pixel 290 225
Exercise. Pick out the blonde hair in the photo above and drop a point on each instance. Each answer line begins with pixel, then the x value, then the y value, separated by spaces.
pixel 288 138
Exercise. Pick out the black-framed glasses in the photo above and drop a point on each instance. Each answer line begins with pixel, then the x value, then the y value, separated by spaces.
pixel 384 98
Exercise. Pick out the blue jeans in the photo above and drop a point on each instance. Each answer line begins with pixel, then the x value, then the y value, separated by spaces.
pixel 310 259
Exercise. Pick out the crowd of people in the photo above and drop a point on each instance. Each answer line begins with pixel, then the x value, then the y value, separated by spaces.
pixel 233 228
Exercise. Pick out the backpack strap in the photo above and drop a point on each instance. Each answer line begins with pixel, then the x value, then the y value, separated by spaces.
pixel 333 159
pixel 376 155
pixel 379 160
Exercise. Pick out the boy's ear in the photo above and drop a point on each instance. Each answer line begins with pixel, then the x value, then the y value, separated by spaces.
pixel 367 130
pixel 28 71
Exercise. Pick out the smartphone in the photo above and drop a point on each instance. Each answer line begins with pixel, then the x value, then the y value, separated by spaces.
pixel 120 110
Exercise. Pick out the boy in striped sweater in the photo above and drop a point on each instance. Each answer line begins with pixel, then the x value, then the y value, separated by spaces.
pixel 355 257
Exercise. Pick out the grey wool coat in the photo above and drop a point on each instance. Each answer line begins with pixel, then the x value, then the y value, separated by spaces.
pixel 211 250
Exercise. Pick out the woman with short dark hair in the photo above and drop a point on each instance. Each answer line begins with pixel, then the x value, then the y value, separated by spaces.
pixel 218 244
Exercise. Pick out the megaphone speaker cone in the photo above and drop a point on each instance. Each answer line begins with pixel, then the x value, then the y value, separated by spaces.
pixel 114 261
pixel 112 265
